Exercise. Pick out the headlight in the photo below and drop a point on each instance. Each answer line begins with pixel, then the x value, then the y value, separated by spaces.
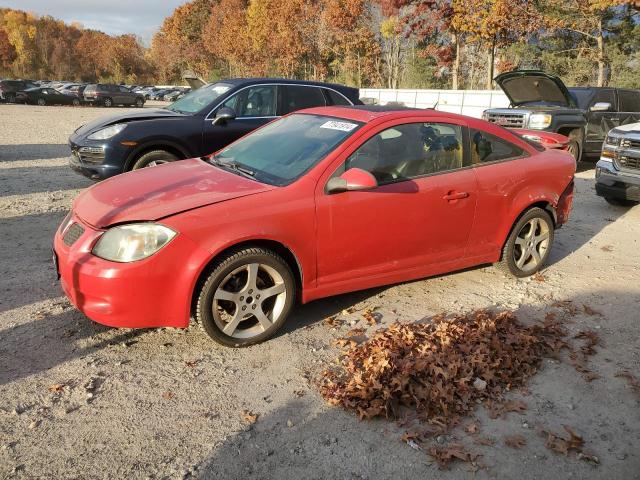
pixel 108 132
pixel 613 141
pixel 539 120
pixel 128 243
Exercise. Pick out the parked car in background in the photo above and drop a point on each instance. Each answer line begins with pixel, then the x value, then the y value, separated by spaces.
pixel 286 214
pixel 202 122
pixel 109 95
pixel 45 96
pixel 8 88
pixel 618 170
pixel 172 96
pixel 584 114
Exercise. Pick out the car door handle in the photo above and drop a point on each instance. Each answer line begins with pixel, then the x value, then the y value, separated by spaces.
pixel 453 195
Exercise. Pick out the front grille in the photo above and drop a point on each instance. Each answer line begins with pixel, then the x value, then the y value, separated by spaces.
pixel 74 232
pixel 628 143
pixel 507 120
pixel 628 162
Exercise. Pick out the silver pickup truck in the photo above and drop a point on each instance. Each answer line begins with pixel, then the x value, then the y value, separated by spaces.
pixel 618 170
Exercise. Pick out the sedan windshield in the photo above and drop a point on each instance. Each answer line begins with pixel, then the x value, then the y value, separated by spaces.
pixel 198 99
pixel 285 149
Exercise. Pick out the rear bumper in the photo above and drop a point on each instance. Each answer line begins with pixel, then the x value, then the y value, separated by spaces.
pixel 154 292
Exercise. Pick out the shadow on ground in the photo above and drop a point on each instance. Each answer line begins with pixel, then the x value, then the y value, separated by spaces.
pixel 34 151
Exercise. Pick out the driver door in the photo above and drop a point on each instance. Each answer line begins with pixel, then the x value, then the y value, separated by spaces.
pixel 420 214
pixel 254 107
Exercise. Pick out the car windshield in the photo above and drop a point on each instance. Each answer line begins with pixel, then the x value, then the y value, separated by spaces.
pixel 198 99
pixel 285 149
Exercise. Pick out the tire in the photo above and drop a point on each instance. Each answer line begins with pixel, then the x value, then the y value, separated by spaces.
pixel 41 101
pixel 139 102
pixel 229 299
pixel 75 102
pixel 522 254
pixel 154 158
pixel 620 202
pixel 575 142
pixel 107 102
pixel 11 98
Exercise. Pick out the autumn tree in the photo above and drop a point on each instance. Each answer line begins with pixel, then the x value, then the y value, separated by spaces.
pixel 7 51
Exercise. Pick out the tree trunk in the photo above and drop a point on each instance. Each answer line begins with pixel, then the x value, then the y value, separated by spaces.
pixel 490 61
pixel 455 72
pixel 601 57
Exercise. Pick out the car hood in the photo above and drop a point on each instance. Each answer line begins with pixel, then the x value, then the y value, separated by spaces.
pixel 151 194
pixel 528 86
pixel 146 114
pixel 628 128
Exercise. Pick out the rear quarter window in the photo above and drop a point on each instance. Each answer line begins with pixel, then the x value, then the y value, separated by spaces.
pixel 629 100
pixel 335 98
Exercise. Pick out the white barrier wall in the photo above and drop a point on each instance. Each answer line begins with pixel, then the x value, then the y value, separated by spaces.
pixel 466 102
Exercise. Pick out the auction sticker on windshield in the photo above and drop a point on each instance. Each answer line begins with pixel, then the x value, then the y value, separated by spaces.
pixel 344 126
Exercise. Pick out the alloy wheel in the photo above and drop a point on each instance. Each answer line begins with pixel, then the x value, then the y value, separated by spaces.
pixel 531 244
pixel 155 163
pixel 249 300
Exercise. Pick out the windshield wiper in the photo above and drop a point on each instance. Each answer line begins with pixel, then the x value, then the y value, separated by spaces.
pixel 230 164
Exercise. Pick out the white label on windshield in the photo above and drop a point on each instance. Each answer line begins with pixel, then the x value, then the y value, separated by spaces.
pixel 344 126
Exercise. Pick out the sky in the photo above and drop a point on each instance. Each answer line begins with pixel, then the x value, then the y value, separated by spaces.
pixel 115 17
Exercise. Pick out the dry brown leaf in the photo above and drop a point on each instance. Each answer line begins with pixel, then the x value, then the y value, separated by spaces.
pixel 538 277
pixel 355 332
pixel 472 428
pixel 563 445
pixel 248 416
pixel 632 380
pixel 57 388
pixel 167 395
pixel 191 363
pixel 590 311
pixel 447 454
pixel 515 441
pixel 486 441
pixel 370 317
pixel 607 248
pixel 333 321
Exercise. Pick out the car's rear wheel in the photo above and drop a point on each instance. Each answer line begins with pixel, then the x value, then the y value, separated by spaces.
pixel 75 102
pixel 529 243
pixel 247 297
pixel 107 102
pixel 154 158
pixel 11 97
pixel 42 102
pixel 574 147
pixel 139 103
pixel 620 202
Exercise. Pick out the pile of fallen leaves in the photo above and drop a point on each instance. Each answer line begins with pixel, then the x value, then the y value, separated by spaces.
pixel 440 369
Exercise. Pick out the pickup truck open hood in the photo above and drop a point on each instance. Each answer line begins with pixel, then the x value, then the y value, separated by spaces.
pixel 530 86
pixel 153 193
pixel 146 114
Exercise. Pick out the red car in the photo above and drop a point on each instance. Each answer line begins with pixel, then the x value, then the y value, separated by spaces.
pixel 320 202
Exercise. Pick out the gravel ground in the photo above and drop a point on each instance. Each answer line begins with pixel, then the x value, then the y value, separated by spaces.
pixel 78 400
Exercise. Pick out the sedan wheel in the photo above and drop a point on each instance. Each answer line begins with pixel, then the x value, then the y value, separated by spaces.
pixel 107 102
pixel 76 102
pixel 42 102
pixel 529 244
pixel 247 297
pixel 153 159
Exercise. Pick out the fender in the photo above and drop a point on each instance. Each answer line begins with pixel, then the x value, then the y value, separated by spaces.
pixel 157 143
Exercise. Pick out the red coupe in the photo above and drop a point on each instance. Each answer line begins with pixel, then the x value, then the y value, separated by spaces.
pixel 320 202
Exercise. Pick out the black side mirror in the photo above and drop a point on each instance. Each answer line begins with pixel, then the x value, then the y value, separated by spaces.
pixel 224 115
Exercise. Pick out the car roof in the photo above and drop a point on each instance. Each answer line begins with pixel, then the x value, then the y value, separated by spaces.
pixel 249 81
pixel 368 113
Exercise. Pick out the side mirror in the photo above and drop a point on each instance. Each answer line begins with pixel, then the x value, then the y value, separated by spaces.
pixel 224 115
pixel 601 107
pixel 352 180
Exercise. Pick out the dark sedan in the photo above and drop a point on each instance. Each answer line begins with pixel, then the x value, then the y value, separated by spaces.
pixel 200 123
pixel 45 96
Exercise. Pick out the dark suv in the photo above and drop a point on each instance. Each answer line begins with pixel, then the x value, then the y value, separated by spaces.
pixel 541 101
pixel 200 123
pixel 109 95
pixel 8 89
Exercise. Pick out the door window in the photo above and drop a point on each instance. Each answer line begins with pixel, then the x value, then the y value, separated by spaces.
pixel 259 101
pixel 298 97
pixel 629 100
pixel 604 95
pixel 487 148
pixel 336 98
pixel 410 150
pixel 124 90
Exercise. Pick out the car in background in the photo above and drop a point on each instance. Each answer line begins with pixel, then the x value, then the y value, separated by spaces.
pixel 541 101
pixel 66 88
pixel 173 95
pixel 108 95
pixel 45 96
pixel 318 203
pixel 204 121
pixel 8 88
pixel 618 170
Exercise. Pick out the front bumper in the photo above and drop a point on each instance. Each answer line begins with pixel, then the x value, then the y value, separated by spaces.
pixel 154 292
pixel 613 183
pixel 96 160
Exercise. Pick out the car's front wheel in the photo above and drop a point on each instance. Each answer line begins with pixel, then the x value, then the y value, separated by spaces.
pixel 75 102
pixel 529 243
pixel 107 102
pixel 154 158
pixel 247 297
pixel 139 103
pixel 42 102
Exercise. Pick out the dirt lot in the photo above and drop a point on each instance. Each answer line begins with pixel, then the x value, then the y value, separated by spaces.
pixel 78 400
